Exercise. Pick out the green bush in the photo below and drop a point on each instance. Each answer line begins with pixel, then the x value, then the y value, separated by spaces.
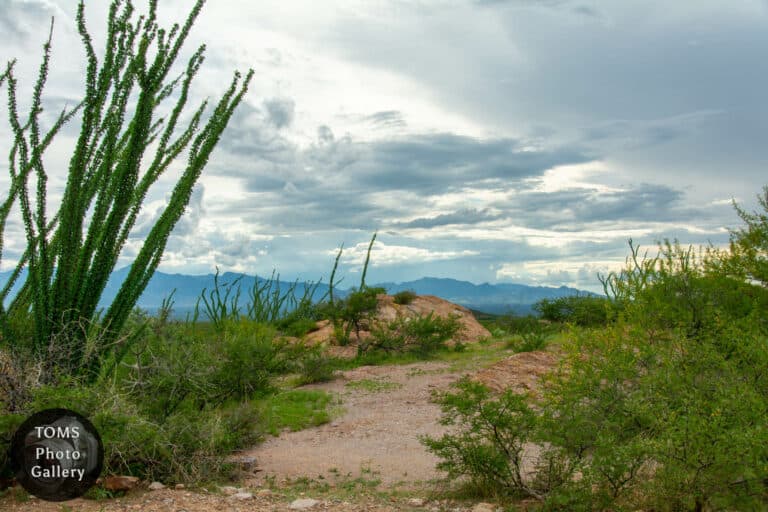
pixel 404 297
pixel 314 366
pixel 513 324
pixel 190 444
pixel 421 335
pixel 529 342
pixel 250 356
pixel 297 327
pixel 487 447
pixel 9 422
pixel 582 310
pixel 352 312
pixel 662 409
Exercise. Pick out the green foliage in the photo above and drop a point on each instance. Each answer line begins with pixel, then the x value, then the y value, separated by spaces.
pixel 748 257
pixel 297 327
pixel 404 297
pixel 523 333
pixel 530 341
pixel 583 310
pixel 661 409
pixel 488 443
pixel 250 356
pixel 191 444
pixel 351 312
pixel 8 425
pixel 70 254
pixel 315 366
pixel 190 366
pixel 422 335
pixel 266 304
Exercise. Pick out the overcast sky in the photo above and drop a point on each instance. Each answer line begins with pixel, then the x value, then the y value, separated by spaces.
pixel 486 140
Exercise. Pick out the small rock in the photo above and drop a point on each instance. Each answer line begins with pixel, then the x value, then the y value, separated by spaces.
pixel 303 504
pixel 484 507
pixel 156 486
pixel 242 496
pixel 179 487
pixel 229 490
pixel 416 502
pixel 264 492
pixel 120 483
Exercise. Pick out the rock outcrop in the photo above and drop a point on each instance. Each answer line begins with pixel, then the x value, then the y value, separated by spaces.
pixel 388 311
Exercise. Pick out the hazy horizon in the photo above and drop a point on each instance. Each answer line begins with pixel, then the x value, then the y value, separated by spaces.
pixel 489 141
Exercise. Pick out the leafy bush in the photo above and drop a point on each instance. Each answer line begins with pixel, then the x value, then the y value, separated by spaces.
pixel 9 422
pixel 314 366
pixel 190 444
pixel 662 409
pixel 353 312
pixel 582 310
pixel 489 440
pixel 421 335
pixel 528 342
pixel 404 297
pixel 297 327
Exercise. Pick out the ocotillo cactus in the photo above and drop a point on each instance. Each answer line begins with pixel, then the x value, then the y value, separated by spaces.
pixel 71 255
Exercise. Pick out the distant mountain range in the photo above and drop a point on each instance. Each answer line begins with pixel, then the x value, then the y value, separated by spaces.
pixel 489 298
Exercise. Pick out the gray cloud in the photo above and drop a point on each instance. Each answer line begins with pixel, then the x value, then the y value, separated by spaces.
pixel 387 119
pixel 438 163
pixel 280 111
pixel 466 216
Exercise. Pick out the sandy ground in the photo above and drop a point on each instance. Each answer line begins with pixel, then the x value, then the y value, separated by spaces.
pixel 376 437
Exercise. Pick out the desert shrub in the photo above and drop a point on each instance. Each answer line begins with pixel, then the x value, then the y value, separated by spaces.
pixel 528 342
pixel 513 324
pixel 297 327
pixel 251 356
pixel 352 312
pixel 404 297
pixel 661 409
pixel 315 366
pixel 190 444
pixel 582 310
pixel 487 446
pixel 421 335
pixel 9 422
pixel 427 334
pixel 205 367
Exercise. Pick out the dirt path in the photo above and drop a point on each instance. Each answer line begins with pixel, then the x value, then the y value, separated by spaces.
pixel 372 444
pixel 386 409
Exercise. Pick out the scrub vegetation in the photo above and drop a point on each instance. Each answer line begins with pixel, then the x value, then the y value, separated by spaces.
pixel 660 408
pixel 659 402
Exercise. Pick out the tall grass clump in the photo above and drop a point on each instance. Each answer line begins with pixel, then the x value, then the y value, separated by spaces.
pixel 131 132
